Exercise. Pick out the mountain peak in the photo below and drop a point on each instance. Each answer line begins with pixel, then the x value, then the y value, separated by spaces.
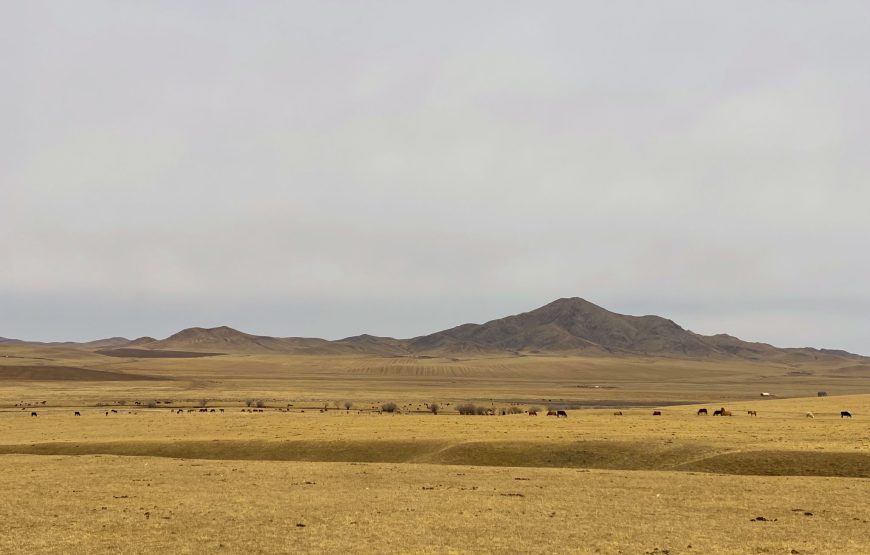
pixel 204 335
pixel 571 324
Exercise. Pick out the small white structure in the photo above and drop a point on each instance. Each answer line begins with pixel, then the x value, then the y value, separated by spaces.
pixel 766 394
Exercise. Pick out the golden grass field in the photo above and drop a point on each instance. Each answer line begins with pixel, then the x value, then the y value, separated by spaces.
pixel 142 480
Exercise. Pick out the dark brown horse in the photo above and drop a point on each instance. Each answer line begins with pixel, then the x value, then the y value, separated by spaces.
pixel 560 413
pixel 702 411
pixel 845 414
pixel 657 413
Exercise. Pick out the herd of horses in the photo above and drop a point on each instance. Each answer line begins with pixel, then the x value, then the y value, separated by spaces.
pixel 723 412
pixel 556 413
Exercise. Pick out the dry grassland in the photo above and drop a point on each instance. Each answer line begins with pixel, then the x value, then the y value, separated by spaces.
pixel 114 504
pixel 289 378
pixel 142 480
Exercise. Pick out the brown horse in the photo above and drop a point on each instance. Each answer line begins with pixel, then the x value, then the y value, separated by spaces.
pixel 752 413
pixel 552 413
pixel 533 413
pixel 845 414
pixel 617 413
pixel 702 411
pixel 561 413
pixel 657 413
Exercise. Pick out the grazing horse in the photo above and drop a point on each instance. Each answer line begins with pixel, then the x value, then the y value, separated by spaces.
pixel 845 414
pixel 657 413
pixel 560 413
pixel 533 413
pixel 719 412
pixel 617 413
pixel 810 415
pixel 752 413
pixel 702 411
pixel 552 413
pixel 33 414
pixel 77 413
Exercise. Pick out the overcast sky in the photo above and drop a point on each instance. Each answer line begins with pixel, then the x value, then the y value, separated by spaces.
pixel 328 168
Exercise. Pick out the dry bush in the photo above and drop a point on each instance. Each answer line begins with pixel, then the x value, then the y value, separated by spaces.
pixel 348 405
pixel 514 410
pixel 152 404
pixel 434 408
pixel 389 407
pixel 249 402
pixel 260 403
pixel 467 408
pixel 203 403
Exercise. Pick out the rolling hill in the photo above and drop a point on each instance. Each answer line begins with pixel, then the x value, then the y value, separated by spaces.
pixel 569 325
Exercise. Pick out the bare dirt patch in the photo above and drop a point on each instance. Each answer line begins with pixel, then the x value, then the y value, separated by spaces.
pixel 147 353
pixel 66 373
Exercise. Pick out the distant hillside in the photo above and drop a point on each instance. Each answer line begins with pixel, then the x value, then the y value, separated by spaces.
pixel 570 325
pixel 98 344
pixel 224 339
pixel 576 325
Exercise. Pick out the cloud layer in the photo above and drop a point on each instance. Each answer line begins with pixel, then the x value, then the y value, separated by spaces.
pixel 319 168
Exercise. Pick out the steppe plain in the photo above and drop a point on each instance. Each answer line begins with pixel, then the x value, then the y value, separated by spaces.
pixel 309 475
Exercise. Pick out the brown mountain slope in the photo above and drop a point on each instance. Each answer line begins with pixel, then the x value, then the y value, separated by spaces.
pixel 371 344
pixel 224 339
pixel 97 344
pixel 572 325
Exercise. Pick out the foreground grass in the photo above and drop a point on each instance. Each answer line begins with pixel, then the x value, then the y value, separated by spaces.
pixel 102 504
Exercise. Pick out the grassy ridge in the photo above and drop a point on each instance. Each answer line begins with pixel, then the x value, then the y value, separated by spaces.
pixel 614 455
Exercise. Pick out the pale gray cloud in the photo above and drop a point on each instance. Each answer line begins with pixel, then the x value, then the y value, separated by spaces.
pixel 328 168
